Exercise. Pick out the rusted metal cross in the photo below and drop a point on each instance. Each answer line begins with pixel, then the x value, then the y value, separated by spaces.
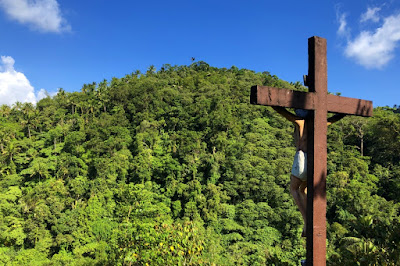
pixel 319 102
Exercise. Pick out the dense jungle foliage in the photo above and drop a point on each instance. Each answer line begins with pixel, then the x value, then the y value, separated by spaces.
pixel 175 167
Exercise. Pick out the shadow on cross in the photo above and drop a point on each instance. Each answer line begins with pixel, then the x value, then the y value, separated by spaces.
pixel 318 189
pixel 364 109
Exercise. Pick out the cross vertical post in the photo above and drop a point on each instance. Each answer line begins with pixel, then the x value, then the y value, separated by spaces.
pixel 319 102
pixel 317 153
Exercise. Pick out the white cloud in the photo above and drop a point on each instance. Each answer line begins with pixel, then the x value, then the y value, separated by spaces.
pixel 371 14
pixel 43 94
pixel 343 30
pixel 374 49
pixel 14 86
pixel 43 15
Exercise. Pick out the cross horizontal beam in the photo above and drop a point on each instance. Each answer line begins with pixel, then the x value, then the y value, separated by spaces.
pixel 270 96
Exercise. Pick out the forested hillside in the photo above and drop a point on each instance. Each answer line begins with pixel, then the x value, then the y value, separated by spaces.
pixel 176 167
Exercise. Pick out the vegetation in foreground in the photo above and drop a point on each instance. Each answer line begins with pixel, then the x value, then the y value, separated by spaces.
pixel 175 167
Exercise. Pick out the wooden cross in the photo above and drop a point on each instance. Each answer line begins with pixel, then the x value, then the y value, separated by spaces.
pixel 319 102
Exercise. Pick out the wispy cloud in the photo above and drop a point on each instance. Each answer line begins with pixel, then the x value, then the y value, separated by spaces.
pixel 343 29
pixel 42 15
pixel 371 14
pixel 14 86
pixel 372 48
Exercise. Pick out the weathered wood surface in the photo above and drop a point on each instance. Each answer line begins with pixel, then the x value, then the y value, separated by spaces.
pixel 350 106
pixel 270 96
pixel 317 152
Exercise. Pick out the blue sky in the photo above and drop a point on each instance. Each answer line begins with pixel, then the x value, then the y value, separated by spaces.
pixel 51 44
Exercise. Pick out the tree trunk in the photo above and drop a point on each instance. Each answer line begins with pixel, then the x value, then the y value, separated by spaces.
pixel 362 145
